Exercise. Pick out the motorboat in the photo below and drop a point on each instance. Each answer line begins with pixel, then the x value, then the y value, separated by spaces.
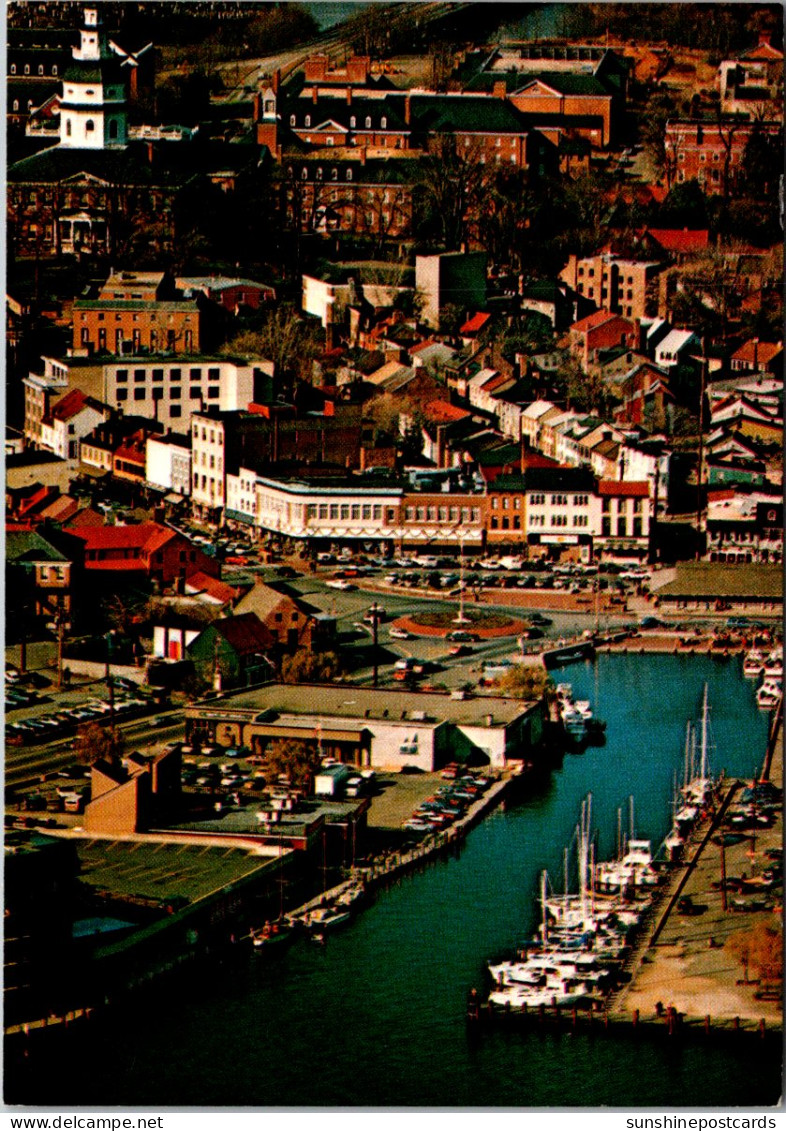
pixel 275 934
pixel 753 664
pixel 633 870
pixel 326 918
pixel 555 992
pixel 769 694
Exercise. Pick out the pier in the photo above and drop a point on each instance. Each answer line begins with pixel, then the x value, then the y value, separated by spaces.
pixel 700 964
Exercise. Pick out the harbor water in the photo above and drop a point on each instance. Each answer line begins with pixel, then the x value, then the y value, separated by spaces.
pixel 377 1017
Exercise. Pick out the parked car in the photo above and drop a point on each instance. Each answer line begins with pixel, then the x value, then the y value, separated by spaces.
pixel 399 633
pixel 460 636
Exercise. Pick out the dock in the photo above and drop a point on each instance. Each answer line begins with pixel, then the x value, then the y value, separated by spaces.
pixel 702 966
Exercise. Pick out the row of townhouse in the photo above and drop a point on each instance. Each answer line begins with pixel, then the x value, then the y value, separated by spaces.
pixel 544 511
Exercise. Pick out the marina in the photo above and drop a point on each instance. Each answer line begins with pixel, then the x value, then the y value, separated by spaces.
pixel 395 979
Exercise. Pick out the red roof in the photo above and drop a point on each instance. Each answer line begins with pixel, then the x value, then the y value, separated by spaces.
pixel 219 590
pixel 147 536
pixel 592 321
pixel 414 350
pixel 475 323
pixel 86 517
pixel 442 412
pixel 676 239
pixel 757 352
pixel 625 488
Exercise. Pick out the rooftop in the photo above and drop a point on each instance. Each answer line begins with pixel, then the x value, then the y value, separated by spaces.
pixel 347 702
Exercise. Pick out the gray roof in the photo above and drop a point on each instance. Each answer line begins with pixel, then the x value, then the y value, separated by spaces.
pixel 349 702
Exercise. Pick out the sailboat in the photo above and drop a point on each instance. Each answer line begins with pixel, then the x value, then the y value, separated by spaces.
pixel 700 788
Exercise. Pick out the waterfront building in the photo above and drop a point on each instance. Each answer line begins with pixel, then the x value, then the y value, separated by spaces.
pixel 380 729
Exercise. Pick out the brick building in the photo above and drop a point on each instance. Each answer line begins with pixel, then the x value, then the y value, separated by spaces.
pixel 621 286
pixel 711 152
pixel 156 552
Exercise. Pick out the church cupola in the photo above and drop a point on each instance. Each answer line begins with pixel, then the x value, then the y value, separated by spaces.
pixel 93 104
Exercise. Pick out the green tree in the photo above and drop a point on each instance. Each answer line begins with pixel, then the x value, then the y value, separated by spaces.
pixel 295 759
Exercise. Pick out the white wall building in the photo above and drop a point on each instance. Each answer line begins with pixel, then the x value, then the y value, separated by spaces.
pixel 168 463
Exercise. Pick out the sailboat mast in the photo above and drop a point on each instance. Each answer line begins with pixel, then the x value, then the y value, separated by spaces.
pixel 704 736
pixel 544 926
pixel 619 833
pixel 632 833
pixel 687 775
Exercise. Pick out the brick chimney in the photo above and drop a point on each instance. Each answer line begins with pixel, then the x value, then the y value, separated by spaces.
pixel 276 81
pixel 499 90
pixel 407 110
pixel 349 96
pixel 315 94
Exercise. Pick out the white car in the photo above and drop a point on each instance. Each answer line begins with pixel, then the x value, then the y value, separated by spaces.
pixel 399 633
pixel 339 583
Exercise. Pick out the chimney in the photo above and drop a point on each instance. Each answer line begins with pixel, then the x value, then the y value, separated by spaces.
pixel 150 153
pixel 764 39
pixel 407 110
pixel 349 96
pixel 276 81
pixel 499 90
pixel 363 155
pixel 314 94
pixel 257 107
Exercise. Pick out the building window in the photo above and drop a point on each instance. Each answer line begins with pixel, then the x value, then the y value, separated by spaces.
pixel 54 68
pixel 158 375
pixel 139 394
pixel 122 394
pixel 174 374
pixel 89 126
pixel 308 119
pixel 158 394
pixel 27 68
pixel 195 392
pixel 139 375
pixel 175 393
pixel 213 392
pixel 13 68
pixel 175 411
pixel 368 123
pixel 121 375
pixel 214 374
pixel 292 119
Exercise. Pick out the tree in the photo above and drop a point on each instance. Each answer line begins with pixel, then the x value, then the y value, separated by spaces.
pixel 311 667
pixel 285 338
pixel 761 948
pixel 94 743
pixel 452 185
pixel 382 413
pixel 295 759
pixel 526 681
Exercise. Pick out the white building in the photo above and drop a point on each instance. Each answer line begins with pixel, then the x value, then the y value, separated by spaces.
pixel 165 388
pixel 69 421
pixel 168 463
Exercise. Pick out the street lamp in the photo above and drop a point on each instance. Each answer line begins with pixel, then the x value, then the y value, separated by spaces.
pixel 461 618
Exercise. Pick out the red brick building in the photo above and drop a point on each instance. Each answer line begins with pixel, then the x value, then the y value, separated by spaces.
pixel 151 550
pixel 711 152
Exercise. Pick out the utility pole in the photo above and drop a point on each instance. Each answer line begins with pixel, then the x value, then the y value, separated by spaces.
pixel 700 470
pixel 653 549
pixel 60 632
pixel 110 683
pixel 375 613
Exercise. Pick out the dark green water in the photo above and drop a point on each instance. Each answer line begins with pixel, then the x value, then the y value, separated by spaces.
pixel 378 1016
